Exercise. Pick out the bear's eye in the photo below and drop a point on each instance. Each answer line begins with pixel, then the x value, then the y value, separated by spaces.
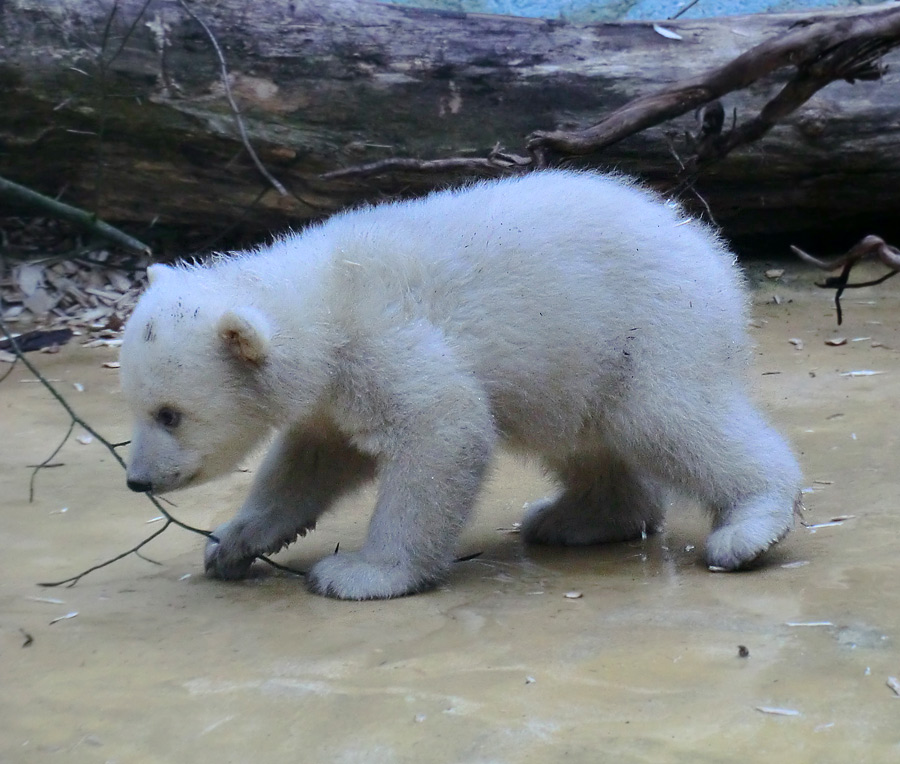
pixel 168 418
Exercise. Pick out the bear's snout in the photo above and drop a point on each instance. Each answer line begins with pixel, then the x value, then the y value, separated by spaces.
pixel 139 486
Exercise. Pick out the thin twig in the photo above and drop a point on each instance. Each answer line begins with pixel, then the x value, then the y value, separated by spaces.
pixel 10 369
pixel 71 581
pixel 44 464
pixel 234 107
pixel 130 31
pixel 684 10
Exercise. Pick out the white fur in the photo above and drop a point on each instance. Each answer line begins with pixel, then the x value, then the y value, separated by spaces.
pixel 572 316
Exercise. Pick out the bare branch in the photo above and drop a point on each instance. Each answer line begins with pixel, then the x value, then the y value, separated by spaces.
pixel 79 217
pixel 46 463
pixel 804 47
pixel 71 581
pixel 868 246
pixel 497 162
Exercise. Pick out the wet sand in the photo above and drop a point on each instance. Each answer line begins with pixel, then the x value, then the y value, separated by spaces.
pixel 498 665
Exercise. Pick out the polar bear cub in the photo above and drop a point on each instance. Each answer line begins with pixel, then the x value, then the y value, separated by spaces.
pixel 572 316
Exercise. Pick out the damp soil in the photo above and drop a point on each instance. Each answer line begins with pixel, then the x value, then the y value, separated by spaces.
pixel 657 660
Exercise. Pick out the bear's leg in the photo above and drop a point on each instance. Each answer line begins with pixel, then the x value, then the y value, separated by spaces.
pixel 725 454
pixel 602 500
pixel 303 474
pixel 434 433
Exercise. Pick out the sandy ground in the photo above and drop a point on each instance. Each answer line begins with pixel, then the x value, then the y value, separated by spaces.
pixel 162 665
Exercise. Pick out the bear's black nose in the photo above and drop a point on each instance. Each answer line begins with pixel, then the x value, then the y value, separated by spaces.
pixel 139 486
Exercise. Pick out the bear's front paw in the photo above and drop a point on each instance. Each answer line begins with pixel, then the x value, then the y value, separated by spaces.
pixel 224 559
pixel 236 544
pixel 351 576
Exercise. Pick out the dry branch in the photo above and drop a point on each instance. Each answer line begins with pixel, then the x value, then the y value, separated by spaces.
pixel 870 246
pixel 83 219
pixel 822 51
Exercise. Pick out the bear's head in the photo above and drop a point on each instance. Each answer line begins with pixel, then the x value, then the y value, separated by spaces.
pixel 191 365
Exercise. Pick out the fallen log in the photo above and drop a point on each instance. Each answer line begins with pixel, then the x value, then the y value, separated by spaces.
pixel 152 110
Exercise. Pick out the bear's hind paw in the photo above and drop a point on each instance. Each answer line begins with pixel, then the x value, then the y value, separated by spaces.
pixel 351 576
pixel 737 546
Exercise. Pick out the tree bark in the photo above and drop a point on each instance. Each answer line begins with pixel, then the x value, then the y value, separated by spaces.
pixel 121 108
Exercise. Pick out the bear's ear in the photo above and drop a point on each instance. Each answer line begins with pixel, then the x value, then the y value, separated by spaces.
pixel 246 333
pixel 156 271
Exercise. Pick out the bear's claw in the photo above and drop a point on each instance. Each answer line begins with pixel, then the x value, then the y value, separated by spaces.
pixel 231 549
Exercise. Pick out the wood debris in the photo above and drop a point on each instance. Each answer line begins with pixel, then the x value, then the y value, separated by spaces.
pixel 64 617
pixel 60 297
pixel 839 520
pixel 809 623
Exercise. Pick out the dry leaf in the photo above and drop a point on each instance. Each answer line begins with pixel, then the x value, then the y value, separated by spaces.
pixel 40 302
pixel 573 595
pixel 118 281
pixel 894 684
pixel 111 365
pixel 778 711
pixel 796 342
pixel 836 341
pixel 775 273
pixel 29 277
pixel 667 33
